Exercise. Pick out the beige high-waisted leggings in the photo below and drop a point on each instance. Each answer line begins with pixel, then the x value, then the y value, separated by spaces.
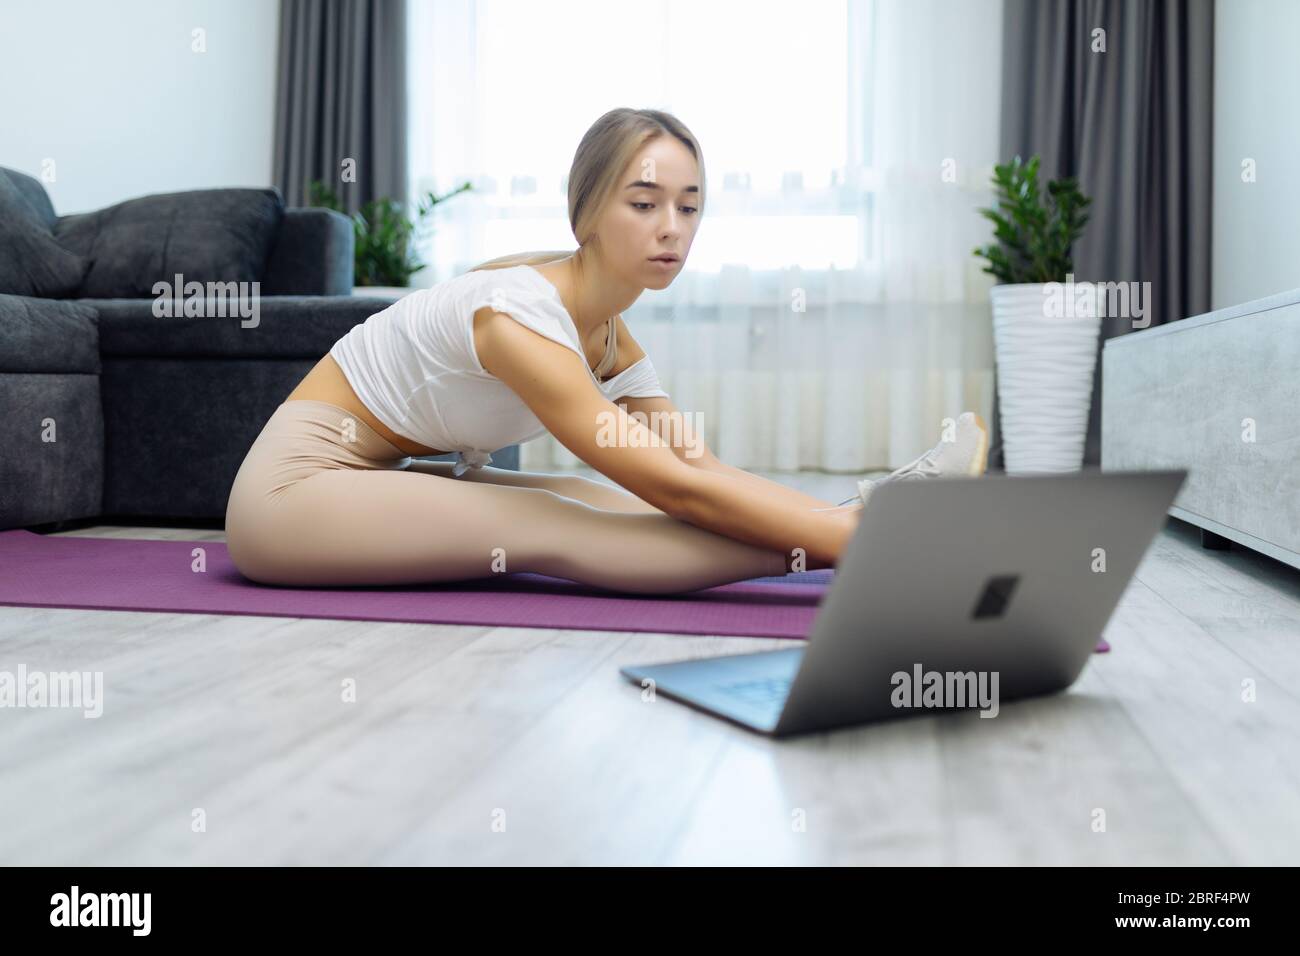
pixel 322 499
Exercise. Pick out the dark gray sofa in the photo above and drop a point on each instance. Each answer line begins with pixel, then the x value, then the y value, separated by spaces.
pixel 112 412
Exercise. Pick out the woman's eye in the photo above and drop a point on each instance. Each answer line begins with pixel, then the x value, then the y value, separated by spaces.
pixel 690 209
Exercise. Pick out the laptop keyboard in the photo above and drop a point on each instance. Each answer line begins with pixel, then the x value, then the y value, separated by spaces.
pixel 762 692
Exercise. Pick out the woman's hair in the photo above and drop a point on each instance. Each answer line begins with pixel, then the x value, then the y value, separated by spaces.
pixel 606 149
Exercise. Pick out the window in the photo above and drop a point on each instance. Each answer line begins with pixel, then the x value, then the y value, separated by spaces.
pixel 503 90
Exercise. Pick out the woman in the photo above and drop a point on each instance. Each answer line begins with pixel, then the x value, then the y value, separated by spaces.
pixel 329 494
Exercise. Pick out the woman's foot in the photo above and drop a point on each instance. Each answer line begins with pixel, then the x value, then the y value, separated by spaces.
pixel 966 454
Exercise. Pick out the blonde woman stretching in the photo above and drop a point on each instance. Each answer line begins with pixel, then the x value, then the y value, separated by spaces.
pixel 329 494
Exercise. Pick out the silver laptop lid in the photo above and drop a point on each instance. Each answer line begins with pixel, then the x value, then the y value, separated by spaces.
pixel 1013 574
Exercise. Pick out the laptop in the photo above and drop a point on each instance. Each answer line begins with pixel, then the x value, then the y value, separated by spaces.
pixel 954 593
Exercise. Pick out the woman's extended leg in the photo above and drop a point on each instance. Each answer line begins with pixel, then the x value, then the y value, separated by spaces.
pixel 323 500
pixel 579 487
pixel 614 498
pixel 609 497
pixel 343 527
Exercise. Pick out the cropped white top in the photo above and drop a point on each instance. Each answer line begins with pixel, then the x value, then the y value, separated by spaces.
pixel 414 364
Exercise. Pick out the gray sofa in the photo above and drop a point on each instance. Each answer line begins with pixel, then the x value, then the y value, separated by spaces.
pixel 113 410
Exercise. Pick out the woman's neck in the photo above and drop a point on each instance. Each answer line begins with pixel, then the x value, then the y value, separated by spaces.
pixel 590 295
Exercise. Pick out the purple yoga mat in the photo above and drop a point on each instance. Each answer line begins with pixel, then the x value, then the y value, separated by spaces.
pixel 144 575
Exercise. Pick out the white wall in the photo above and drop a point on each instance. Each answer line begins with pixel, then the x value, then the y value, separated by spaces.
pixel 1256 245
pixel 113 93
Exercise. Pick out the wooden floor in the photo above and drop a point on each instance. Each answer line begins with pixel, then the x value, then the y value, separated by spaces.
pixel 488 745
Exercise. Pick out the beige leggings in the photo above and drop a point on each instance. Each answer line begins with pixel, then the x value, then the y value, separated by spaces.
pixel 322 499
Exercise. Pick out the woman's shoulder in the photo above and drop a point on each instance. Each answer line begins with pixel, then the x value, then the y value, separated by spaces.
pixel 518 290
pixel 475 280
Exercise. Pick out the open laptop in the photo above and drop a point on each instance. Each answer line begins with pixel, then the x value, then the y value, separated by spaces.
pixel 954 593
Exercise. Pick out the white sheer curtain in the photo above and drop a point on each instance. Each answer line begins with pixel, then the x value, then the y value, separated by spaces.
pixel 831 313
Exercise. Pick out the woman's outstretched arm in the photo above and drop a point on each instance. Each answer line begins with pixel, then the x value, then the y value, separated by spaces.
pixel 555 384
pixel 663 417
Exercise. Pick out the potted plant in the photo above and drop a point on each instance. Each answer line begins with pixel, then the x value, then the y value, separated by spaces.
pixel 1045 325
pixel 385 238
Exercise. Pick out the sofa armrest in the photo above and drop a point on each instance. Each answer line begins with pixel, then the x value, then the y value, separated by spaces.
pixel 313 254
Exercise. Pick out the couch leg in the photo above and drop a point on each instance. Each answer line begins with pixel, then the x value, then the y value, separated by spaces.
pixel 50 527
pixel 1214 542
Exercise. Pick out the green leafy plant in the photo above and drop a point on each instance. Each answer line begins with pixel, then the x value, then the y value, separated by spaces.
pixel 385 235
pixel 1033 237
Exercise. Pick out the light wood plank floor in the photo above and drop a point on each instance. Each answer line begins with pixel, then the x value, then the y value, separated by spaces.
pixel 485 745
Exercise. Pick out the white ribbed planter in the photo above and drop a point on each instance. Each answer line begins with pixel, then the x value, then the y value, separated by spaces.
pixel 382 291
pixel 1045 367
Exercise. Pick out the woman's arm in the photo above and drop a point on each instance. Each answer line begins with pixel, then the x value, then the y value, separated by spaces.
pixel 677 429
pixel 660 414
pixel 555 384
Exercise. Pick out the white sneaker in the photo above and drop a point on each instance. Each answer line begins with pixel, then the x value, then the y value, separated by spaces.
pixel 966 454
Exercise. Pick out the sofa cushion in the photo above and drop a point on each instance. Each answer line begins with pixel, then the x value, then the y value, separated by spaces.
pixel 204 235
pixel 48 335
pixel 32 261
pixel 281 327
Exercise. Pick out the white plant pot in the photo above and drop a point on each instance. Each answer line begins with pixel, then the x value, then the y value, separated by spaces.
pixel 382 291
pixel 1047 355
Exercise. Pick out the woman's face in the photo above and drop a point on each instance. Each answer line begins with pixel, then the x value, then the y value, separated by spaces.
pixel 655 211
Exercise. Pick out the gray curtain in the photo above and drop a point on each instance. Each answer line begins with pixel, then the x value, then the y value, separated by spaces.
pixel 341 93
pixel 1134 124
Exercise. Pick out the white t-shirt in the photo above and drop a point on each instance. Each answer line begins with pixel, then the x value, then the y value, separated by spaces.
pixel 414 364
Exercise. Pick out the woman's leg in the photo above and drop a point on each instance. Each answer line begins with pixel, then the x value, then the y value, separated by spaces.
pixel 613 498
pixel 322 500
pixel 344 527
pixel 579 487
